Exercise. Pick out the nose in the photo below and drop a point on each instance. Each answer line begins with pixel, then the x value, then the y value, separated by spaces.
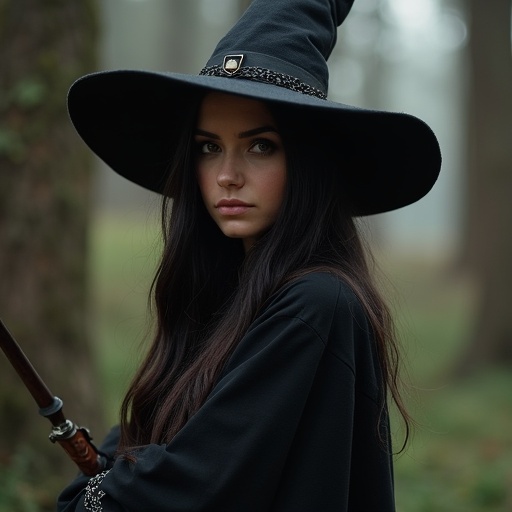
pixel 230 173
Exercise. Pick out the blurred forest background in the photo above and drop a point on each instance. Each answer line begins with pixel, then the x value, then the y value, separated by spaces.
pixel 79 244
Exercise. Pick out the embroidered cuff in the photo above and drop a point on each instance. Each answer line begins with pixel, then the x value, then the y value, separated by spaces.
pixel 93 493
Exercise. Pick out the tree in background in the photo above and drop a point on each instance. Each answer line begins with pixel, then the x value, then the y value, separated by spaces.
pixel 488 242
pixel 44 207
pixel 242 5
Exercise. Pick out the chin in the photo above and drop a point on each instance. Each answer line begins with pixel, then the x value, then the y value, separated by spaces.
pixel 231 234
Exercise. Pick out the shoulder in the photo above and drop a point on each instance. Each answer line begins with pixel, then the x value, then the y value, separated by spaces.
pixel 316 291
pixel 319 299
pixel 314 316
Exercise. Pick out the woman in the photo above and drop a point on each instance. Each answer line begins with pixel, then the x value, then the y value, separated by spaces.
pixel 266 385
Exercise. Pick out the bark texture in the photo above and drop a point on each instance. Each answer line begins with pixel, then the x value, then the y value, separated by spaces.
pixel 488 248
pixel 44 211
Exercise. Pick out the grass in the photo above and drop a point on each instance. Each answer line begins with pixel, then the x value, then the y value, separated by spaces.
pixel 460 456
pixel 124 252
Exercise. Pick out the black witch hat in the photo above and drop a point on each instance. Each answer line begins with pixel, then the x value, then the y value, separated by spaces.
pixel 277 53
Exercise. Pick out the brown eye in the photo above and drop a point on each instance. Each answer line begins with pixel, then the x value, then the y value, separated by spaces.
pixel 263 147
pixel 208 147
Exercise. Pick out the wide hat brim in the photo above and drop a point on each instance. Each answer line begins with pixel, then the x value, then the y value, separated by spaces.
pixel 129 118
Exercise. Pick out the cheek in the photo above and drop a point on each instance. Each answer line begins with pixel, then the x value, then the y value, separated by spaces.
pixel 275 186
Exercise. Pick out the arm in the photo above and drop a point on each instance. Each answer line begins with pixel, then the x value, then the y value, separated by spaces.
pixel 231 454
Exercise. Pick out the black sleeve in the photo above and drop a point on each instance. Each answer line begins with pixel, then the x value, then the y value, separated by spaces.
pixel 231 453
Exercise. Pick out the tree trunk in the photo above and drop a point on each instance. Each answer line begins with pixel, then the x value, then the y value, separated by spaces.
pixel 44 208
pixel 488 247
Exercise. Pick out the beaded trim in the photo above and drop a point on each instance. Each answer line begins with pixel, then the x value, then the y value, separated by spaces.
pixel 267 76
pixel 93 493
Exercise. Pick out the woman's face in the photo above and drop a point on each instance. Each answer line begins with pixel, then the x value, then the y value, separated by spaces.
pixel 240 165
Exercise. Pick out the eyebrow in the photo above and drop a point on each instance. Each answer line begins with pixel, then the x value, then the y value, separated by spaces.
pixel 241 135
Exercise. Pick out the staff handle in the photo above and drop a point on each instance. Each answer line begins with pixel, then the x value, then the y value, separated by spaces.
pixel 76 441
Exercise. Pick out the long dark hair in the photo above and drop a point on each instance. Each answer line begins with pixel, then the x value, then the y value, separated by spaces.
pixel 207 292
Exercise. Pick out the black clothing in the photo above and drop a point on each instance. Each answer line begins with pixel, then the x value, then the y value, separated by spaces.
pixel 290 426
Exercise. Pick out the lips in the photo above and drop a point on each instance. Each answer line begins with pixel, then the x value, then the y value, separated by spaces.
pixel 232 207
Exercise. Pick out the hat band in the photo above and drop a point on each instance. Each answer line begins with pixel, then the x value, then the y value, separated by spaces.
pixel 266 76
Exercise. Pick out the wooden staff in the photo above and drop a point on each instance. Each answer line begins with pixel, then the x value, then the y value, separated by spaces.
pixel 75 440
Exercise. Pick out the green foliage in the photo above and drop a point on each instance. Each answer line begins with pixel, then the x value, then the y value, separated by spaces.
pixel 21 489
pixel 29 93
pixel 12 146
pixel 17 494
pixel 16 131
pixel 460 458
pixel 25 94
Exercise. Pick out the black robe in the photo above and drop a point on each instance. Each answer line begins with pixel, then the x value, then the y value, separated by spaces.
pixel 291 425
